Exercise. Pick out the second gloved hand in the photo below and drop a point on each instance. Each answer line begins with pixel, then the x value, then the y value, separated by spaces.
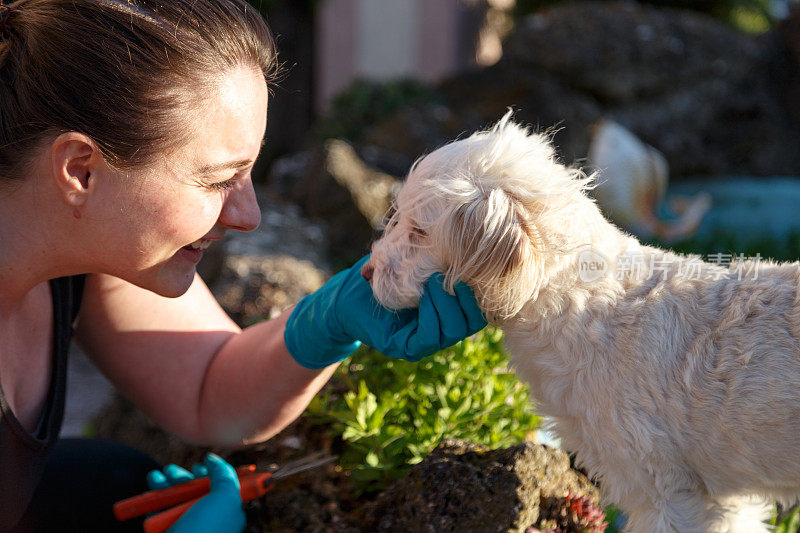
pixel 328 325
pixel 220 511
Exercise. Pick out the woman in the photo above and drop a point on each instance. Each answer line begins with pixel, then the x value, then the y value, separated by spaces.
pixel 128 132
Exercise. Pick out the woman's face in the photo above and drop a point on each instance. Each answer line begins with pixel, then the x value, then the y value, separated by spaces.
pixel 162 216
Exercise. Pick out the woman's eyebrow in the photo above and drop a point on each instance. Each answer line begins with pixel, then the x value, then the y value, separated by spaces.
pixel 217 167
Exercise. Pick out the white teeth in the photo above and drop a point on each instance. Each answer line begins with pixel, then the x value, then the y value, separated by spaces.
pixel 200 244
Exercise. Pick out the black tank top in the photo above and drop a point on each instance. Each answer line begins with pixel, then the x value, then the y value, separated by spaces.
pixel 23 454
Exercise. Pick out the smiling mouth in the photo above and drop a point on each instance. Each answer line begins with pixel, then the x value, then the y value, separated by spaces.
pixel 200 244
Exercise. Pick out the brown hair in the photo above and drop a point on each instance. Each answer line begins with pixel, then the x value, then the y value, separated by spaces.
pixel 123 72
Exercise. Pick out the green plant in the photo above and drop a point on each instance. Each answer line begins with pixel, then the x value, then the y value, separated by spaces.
pixel 395 412
pixel 788 522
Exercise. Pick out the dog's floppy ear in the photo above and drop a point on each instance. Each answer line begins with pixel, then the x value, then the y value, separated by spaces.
pixel 490 243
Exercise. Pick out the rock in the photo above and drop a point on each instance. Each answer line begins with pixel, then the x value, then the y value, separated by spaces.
pixel 283 231
pixel 697 90
pixel 424 127
pixel 253 288
pixel 335 185
pixel 620 52
pixel 462 486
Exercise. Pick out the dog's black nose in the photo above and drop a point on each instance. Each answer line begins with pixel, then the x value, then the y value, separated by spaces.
pixel 367 271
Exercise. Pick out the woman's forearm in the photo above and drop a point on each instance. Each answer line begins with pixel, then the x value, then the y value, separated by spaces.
pixel 253 388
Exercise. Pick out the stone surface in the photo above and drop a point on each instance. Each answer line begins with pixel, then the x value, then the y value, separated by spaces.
pixel 463 486
pixel 335 185
pixel 264 272
pixel 255 287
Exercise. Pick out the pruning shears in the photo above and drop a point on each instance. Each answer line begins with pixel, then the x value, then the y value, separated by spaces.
pixel 179 498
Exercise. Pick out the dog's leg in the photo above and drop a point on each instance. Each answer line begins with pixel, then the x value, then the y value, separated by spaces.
pixel 657 496
pixel 681 512
pixel 740 514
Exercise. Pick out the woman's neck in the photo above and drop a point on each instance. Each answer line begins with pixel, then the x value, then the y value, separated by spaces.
pixel 34 241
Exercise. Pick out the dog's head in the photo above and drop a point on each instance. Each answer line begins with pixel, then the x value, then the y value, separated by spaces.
pixel 487 210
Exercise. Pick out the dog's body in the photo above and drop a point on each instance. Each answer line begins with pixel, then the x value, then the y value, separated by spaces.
pixel 676 382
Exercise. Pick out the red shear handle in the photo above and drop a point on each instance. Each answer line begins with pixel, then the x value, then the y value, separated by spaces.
pixel 162 521
pixel 155 500
pixel 252 487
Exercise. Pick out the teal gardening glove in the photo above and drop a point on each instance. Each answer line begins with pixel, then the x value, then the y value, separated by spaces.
pixel 220 511
pixel 328 325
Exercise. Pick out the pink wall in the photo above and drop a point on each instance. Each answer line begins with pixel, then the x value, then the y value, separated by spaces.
pixel 334 68
pixel 438 38
pixel 437 31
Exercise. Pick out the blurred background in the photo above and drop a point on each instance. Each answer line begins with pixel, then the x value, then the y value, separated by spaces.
pixel 701 95
pixel 688 111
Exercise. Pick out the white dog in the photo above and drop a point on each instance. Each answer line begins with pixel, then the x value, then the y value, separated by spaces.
pixel 675 381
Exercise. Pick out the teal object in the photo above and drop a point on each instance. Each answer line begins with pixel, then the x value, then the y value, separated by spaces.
pixel 220 511
pixel 328 325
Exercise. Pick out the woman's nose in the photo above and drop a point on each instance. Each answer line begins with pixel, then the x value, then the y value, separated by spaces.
pixel 240 210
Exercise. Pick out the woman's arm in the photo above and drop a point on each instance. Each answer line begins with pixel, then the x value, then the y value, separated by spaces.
pixel 189 367
pixel 251 403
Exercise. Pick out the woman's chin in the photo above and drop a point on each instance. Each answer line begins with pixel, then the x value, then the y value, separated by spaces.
pixel 169 281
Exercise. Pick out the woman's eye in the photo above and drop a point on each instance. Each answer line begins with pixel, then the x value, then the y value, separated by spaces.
pixel 222 185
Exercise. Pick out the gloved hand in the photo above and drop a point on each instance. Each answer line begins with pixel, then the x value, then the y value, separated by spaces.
pixel 220 511
pixel 328 325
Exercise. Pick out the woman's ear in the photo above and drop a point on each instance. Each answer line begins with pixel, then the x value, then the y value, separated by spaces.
pixel 75 159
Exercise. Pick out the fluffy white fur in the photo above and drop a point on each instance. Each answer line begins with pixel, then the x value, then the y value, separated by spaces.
pixel 679 393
